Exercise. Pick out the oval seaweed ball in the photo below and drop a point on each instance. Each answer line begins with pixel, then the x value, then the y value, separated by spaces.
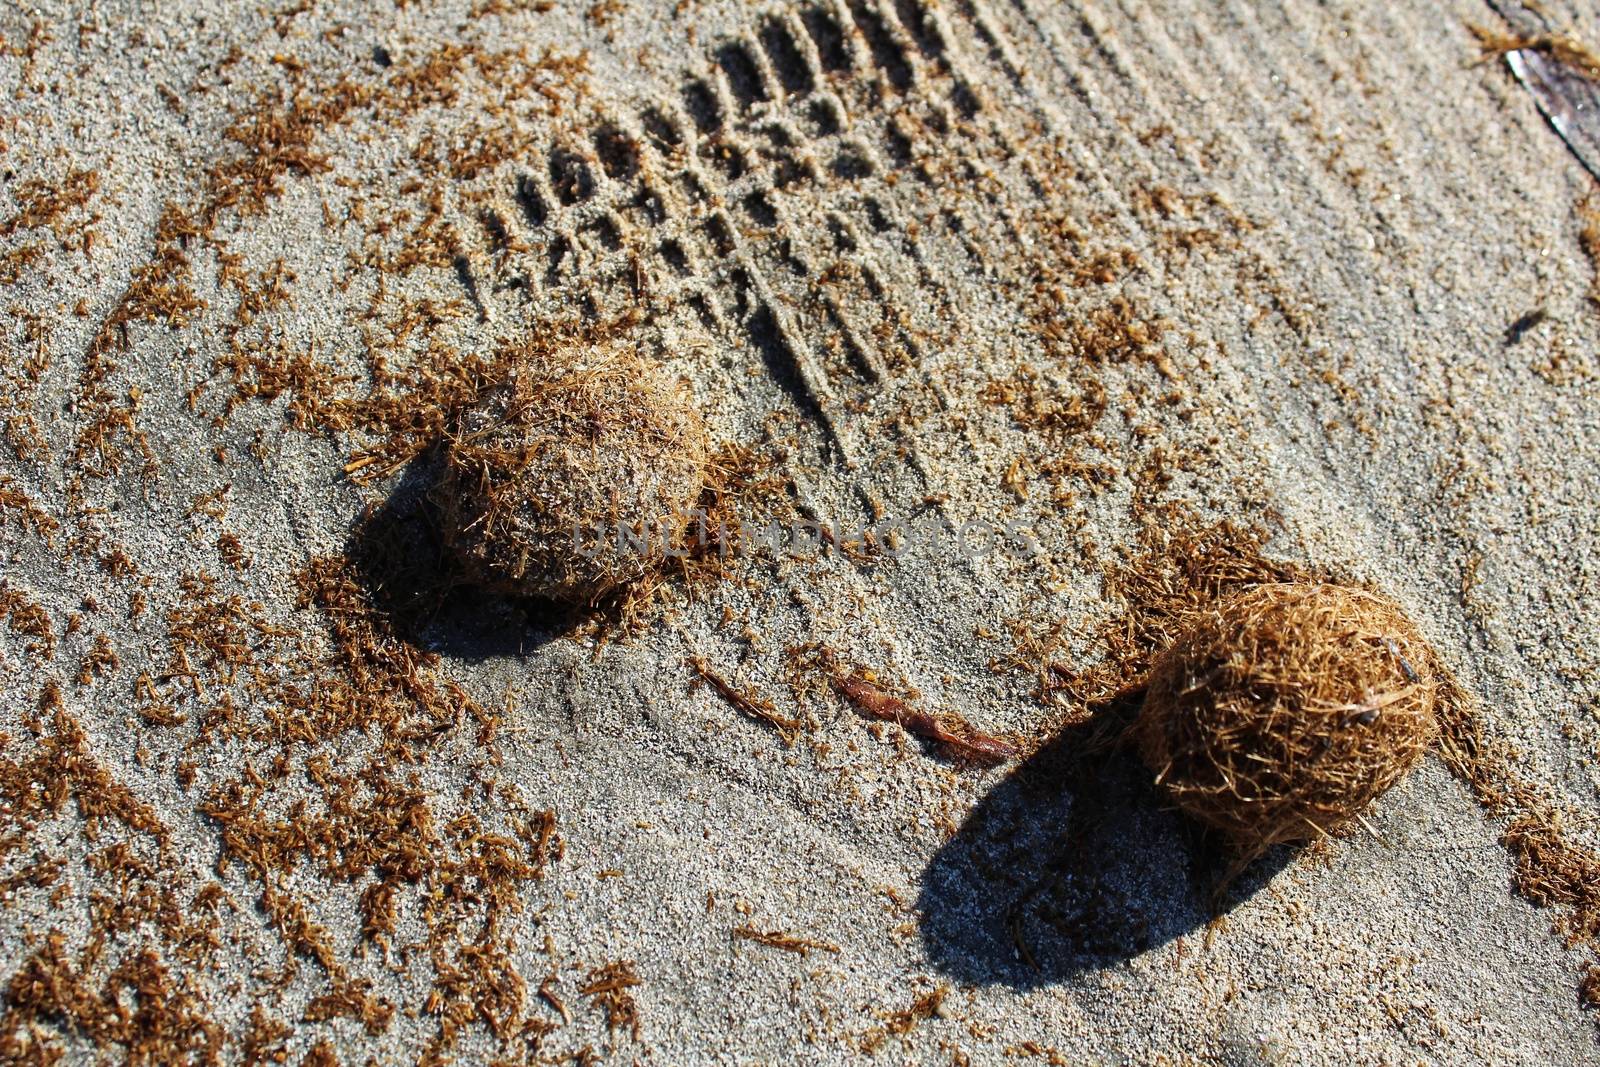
pixel 1285 710
pixel 542 472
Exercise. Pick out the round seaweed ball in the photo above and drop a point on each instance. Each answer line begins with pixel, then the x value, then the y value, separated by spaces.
pixel 574 477
pixel 1283 711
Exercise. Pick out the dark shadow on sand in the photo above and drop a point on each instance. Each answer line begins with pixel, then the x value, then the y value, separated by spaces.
pixel 1072 864
pixel 400 558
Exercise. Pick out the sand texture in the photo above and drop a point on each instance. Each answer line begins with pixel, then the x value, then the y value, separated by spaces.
pixel 1194 294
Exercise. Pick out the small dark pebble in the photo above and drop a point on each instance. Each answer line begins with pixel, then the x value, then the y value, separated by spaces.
pixel 381 56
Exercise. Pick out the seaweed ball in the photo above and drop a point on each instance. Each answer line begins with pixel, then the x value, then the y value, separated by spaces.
pixel 574 477
pixel 1282 712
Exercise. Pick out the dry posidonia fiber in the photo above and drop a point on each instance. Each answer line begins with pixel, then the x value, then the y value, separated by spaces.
pixel 1283 711
pixel 545 469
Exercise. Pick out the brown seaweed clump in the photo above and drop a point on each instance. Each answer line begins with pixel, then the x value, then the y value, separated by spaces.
pixel 1282 712
pixel 574 477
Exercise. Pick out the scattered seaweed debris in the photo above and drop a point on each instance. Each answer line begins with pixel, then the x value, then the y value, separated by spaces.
pixel 923 1007
pixel 788 942
pixel 1552 869
pixel 759 708
pixel 43 204
pixel 1562 47
pixel 305 744
pixel 609 987
pixel 1178 567
pixel 1589 241
pixel 900 1023
pixel 1279 714
pixel 861 689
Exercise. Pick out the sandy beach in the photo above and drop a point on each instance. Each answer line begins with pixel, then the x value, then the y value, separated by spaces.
pixel 1101 308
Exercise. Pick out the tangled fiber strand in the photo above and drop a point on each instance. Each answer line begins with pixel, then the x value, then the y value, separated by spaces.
pixel 1281 712
pixel 1177 569
pixel 542 473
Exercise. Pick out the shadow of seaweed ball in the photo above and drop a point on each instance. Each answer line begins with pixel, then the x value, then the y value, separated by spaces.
pixel 1282 712
pixel 541 474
